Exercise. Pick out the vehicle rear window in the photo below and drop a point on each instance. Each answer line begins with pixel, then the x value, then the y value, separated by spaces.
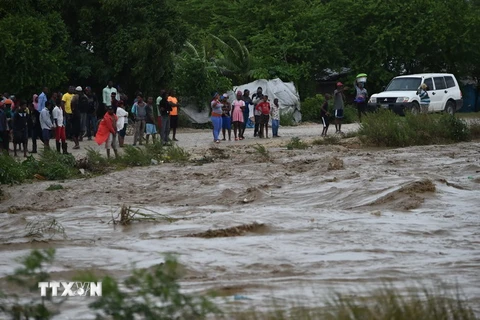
pixel 404 84
pixel 439 83
pixel 429 83
pixel 450 82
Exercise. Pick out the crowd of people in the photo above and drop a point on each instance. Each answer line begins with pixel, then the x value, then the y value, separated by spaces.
pixel 79 113
pixel 242 110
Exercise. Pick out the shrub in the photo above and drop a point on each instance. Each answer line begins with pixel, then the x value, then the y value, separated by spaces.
pixel 11 171
pixel 384 128
pixel 296 143
pixel 311 108
pixel 287 119
pixel 262 152
pixel 135 156
pixel 176 154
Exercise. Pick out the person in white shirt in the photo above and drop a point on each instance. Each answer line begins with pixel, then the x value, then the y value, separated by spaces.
pixel 46 125
pixel 59 126
pixel 107 98
pixel 122 123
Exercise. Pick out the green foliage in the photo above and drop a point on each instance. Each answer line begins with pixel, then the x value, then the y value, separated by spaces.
pixel 135 156
pixel 54 187
pixel 32 271
pixel 262 152
pixel 310 108
pixel 30 44
pixel 11 171
pixel 384 128
pixel 383 304
pixel 51 165
pixel 296 143
pixel 176 154
pixel 151 294
pixel 197 77
pixel 287 119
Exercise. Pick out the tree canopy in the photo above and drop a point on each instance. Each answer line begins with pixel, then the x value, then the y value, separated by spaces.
pixel 199 46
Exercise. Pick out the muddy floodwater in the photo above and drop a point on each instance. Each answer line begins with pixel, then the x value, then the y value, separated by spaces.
pixel 291 229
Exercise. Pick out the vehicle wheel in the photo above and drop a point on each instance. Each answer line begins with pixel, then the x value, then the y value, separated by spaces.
pixel 450 107
pixel 415 108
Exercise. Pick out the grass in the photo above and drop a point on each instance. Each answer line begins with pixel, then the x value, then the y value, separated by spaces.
pixel 54 187
pixel 296 143
pixel 384 128
pixel 52 165
pixel 287 119
pixel 383 304
pixel 262 152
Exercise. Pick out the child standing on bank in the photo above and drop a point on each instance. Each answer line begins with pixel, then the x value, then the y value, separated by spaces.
pixel 226 118
pixel 150 127
pixel 20 127
pixel 275 114
pixel 325 114
pixel 264 109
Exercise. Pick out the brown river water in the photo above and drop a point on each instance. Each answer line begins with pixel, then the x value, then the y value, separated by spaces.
pixel 334 218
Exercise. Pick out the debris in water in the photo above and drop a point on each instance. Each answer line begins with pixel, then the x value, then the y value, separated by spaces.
pixel 128 215
pixel 335 164
pixel 229 232
pixel 377 213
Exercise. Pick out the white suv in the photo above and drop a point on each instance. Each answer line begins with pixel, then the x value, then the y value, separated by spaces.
pixel 401 93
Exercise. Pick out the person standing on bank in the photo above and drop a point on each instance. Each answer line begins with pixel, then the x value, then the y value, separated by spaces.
pixel 67 107
pixel 246 111
pixel 165 114
pixel 107 98
pixel 257 98
pixel 79 101
pixel 173 102
pixel 139 111
pixel 60 135
pixel 275 115
pixel 424 98
pixel 237 116
pixel 46 125
pixel 122 123
pixel 361 99
pixel 42 99
pixel 92 113
pixel 34 128
pixel 20 128
pixel 217 112
pixel 338 105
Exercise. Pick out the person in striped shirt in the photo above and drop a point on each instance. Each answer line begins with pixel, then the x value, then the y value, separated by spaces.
pixel 424 98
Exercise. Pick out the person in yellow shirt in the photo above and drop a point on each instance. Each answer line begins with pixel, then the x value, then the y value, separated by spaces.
pixel 173 102
pixel 67 106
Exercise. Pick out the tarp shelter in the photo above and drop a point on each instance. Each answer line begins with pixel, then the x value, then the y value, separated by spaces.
pixel 285 92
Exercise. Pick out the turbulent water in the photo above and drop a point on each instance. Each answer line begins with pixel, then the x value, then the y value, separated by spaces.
pixel 335 218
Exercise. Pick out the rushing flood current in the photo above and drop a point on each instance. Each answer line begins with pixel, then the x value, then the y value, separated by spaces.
pixel 335 218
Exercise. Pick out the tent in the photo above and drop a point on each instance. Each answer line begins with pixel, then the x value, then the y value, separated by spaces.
pixel 285 92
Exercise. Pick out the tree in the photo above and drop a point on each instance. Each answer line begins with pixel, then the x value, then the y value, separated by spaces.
pixel 32 53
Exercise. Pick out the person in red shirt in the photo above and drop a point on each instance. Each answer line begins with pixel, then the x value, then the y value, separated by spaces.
pixel 107 132
pixel 264 109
